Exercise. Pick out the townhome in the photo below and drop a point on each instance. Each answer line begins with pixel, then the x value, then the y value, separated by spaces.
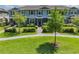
pixel 39 14
pixel 73 11
pixel 4 16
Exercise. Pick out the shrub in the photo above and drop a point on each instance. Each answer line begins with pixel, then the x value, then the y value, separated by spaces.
pixel 36 27
pixel 78 30
pixel 69 25
pixel 69 30
pixel 29 29
pixel 45 29
pixel 12 30
pixel 30 25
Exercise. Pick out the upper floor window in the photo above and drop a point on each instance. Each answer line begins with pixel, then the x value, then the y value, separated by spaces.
pixel 40 12
pixel 76 12
pixel 22 11
pixel 71 12
pixel 32 12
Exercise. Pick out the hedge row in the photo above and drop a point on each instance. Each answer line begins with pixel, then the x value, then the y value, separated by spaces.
pixel 45 29
pixel 64 29
pixel 31 25
pixel 69 30
pixel 29 29
pixel 13 30
pixel 69 25
pixel 26 29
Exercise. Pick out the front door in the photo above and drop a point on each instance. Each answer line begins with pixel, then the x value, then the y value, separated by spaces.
pixel 39 22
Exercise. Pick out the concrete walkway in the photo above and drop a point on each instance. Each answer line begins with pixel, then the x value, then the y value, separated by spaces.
pixel 39 33
pixel 26 36
pixel 39 30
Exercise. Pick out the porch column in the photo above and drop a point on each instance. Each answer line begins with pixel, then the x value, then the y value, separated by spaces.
pixel 34 20
pixel 37 21
pixel 29 12
pixel 41 21
pixel 29 20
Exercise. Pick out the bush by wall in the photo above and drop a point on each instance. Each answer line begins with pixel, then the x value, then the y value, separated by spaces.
pixel 45 29
pixel 29 29
pixel 31 25
pixel 69 25
pixel 69 30
pixel 12 30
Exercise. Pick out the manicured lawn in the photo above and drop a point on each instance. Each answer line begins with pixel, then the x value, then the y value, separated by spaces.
pixel 11 34
pixel 1 28
pixel 2 35
pixel 36 45
pixel 75 34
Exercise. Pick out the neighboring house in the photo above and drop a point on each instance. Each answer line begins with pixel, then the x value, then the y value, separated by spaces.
pixel 39 14
pixel 4 16
pixel 73 11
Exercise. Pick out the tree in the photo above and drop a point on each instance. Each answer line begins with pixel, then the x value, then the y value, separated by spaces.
pixel 75 20
pixel 56 22
pixel 64 12
pixel 19 18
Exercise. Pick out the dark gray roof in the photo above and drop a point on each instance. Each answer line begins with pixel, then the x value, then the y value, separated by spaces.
pixel 36 7
pixel 3 10
pixel 73 8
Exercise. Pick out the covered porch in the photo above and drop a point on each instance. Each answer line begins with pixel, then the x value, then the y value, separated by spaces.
pixel 37 21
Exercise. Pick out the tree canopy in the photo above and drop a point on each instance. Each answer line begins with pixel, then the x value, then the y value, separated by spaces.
pixel 18 17
pixel 56 21
pixel 75 20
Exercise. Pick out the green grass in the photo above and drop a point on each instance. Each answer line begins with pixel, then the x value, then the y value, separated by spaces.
pixel 75 34
pixel 9 34
pixel 36 45
pixel 1 28
pixel 2 35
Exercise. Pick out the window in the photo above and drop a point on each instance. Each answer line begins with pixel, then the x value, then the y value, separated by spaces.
pixel 75 12
pixel 32 12
pixel 71 12
pixel 40 12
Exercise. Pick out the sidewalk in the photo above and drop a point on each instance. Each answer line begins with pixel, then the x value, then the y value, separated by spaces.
pixel 26 36
pixel 39 33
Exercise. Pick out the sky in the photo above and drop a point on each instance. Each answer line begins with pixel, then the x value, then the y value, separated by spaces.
pixel 7 7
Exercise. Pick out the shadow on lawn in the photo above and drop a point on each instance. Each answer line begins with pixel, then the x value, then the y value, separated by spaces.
pixel 46 48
